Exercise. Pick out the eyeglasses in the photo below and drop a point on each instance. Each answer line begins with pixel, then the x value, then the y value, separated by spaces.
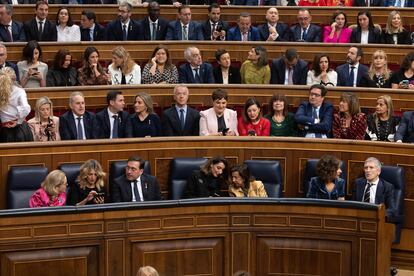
pixel 315 95
pixel 303 18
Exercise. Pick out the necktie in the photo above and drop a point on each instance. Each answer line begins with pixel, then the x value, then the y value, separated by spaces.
pixel 80 129
pixel 367 193
pixel 154 31
pixel 197 78
pixel 40 28
pixel 182 122
pixel 91 34
pixel 8 32
pixel 398 3
pixel 244 37
pixel 115 128
pixel 124 32
pixel 136 193
pixel 351 76
pixel 315 116
pixel 213 29
pixel 290 76
pixel 304 34
pixel 185 35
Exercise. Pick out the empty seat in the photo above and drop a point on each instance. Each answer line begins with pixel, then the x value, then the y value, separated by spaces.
pixel 71 171
pixel 270 173
pixel 310 171
pixel 180 170
pixel 22 183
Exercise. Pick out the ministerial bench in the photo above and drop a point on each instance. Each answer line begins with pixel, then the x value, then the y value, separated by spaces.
pixel 141 50
pixel 198 237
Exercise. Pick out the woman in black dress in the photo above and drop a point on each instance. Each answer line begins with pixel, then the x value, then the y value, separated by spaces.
pixel 62 72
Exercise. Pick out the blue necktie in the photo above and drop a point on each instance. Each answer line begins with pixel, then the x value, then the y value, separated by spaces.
pixel 304 34
pixel 124 32
pixel 182 121
pixel 351 76
pixel 80 129
pixel 197 78
pixel 315 116
pixel 115 128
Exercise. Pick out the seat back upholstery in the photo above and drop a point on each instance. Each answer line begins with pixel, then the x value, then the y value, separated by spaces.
pixel 180 170
pixel 118 168
pixel 395 175
pixel 22 183
pixel 310 171
pixel 71 171
pixel 270 173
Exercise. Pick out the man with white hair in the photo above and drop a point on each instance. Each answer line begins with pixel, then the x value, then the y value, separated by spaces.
pixel 5 63
pixel 373 189
pixel 195 71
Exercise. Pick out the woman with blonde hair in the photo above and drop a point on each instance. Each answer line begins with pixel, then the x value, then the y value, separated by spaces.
pixel 44 126
pixel 382 124
pixel 378 73
pixel 147 271
pixel 144 123
pixel 123 69
pixel 394 32
pixel 13 111
pixel 52 191
pixel 89 186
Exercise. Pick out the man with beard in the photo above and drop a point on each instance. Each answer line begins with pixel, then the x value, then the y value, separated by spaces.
pixel 352 73
pixel 124 28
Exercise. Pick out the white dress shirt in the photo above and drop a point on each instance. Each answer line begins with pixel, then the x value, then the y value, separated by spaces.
pixel 67 33
pixel 17 109
pixel 81 122
pixel 372 191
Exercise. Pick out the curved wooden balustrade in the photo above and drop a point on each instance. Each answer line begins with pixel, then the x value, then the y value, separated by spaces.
pixel 199 237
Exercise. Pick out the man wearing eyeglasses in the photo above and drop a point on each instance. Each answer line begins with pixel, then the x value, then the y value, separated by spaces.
pixel 305 30
pixel 314 117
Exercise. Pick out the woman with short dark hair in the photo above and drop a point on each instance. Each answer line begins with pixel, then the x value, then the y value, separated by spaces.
pixel 404 78
pixel 243 184
pixel 252 122
pixel 62 73
pixel 66 29
pixel 282 122
pixel 321 73
pixel 32 70
pixel 225 73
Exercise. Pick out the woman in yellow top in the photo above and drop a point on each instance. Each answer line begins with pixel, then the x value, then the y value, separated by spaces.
pixel 256 69
pixel 243 185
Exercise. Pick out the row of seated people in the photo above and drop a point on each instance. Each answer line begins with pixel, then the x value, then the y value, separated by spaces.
pixel 288 69
pixel 154 27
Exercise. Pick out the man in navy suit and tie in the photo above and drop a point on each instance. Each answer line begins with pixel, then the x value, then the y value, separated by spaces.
pixel 314 117
pixel 124 27
pixel 5 63
pixel 195 70
pixel 153 26
pixel 214 28
pixel 305 31
pixel 77 123
pixel 10 30
pixel 40 28
pixel 373 189
pixel 112 121
pixel 352 73
pixel 273 29
pixel 181 120
pixel 135 185
pixel 372 3
pixel 90 29
pixel 399 3
pixel 184 28
pixel 289 69
pixel 244 31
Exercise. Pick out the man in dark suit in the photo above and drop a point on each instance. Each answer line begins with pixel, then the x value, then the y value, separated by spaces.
pixel 405 131
pixel 352 73
pixel 184 28
pixel 5 63
pixel 305 30
pixel 373 189
pixel 273 30
pixel 244 31
pixel 10 30
pixel 135 185
pixel 195 70
pixel 180 120
pixel 112 121
pixel 372 3
pixel 255 2
pixel 40 28
pixel 90 29
pixel 153 26
pixel 289 69
pixel 399 3
pixel 124 27
pixel 314 117
pixel 77 123
pixel 214 28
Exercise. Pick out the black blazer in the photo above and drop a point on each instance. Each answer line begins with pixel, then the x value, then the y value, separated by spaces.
pixel 278 68
pixel 171 122
pixel 205 72
pixel 405 131
pixel 67 126
pixel 104 125
pixel 281 28
pixel 98 33
pixel 314 33
pixel 18 32
pixel 206 28
pixel 384 194
pixel 32 33
pixel 114 30
pixel 374 35
pixel 161 29
pixel 14 66
pixel 234 75
pixel 122 191
pixel 403 37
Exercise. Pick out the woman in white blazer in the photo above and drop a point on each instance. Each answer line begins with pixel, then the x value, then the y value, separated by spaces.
pixel 218 120
pixel 123 69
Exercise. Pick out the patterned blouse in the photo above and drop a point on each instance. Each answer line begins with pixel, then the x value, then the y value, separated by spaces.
pixel 381 130
pixel 169 75
pixel 356 129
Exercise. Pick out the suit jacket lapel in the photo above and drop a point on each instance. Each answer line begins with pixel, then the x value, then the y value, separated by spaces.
pixel 144 187
pixel 128 189
pixel 72 124
pixel 107 123
pixel 380 191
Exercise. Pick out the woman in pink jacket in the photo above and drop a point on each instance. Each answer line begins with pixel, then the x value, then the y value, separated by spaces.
pixel 337 32
pixel 52 191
